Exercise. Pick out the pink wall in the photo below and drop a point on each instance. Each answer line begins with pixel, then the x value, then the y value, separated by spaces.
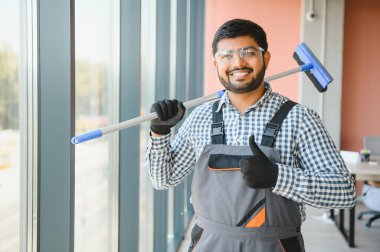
pixel 361 82
pixel 281 22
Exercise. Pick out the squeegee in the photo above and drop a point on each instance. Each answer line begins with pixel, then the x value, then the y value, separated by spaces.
pixel 305 58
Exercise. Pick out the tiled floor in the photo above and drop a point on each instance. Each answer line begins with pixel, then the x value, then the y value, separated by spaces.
pixel 321 234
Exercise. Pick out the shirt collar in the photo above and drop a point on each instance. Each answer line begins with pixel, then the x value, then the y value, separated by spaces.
pixel 225 100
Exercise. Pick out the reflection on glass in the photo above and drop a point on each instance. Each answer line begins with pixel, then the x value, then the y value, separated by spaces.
pixel 92 164
pixel 9 126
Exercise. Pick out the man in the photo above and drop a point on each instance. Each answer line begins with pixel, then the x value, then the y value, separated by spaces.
pixel 258 157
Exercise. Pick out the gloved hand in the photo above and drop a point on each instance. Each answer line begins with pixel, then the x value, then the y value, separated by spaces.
pixel 169 112
pixel 258 171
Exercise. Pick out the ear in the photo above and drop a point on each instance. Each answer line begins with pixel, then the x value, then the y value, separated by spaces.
pixel 266 59
pixel 215 63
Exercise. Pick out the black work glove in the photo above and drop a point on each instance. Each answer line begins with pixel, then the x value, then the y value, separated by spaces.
pixel 258 171
pixel 169 113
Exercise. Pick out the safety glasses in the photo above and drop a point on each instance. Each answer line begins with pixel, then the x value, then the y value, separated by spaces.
pixel 246 53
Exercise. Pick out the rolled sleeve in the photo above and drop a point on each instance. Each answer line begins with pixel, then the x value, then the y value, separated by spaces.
pixel 169 162
pixel 157 155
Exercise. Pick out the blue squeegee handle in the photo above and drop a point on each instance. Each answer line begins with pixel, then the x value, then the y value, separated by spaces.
pixel 289 72
pixel 138 120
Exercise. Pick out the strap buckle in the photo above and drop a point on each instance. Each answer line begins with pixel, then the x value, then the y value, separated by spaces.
pixel 271 130
pixel 217 129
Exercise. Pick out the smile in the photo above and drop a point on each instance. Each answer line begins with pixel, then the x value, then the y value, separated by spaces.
pixel 239 73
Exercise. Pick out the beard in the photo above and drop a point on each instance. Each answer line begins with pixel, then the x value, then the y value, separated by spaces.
pixel 238 88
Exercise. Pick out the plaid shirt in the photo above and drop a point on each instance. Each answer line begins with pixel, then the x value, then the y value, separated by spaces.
pixel 311 172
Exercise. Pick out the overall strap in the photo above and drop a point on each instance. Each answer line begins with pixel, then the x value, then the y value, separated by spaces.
pixel 217 126
pixel 274 125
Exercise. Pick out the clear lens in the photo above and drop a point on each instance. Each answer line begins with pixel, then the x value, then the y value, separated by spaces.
pixel 249 52
pixel 227 56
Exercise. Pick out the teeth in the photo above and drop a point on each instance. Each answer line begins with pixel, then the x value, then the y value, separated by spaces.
pixel 239 73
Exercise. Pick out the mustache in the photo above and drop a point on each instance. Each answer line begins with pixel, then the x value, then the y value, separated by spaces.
pixel 239 69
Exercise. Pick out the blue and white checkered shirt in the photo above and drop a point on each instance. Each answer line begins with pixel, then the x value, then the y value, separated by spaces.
pixel 311 171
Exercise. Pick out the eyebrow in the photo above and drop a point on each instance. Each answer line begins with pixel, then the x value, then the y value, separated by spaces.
pixel 248 47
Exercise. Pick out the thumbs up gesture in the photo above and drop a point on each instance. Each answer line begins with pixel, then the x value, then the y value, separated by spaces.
pixel 258 171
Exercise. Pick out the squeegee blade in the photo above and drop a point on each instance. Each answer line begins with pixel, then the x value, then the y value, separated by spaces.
pixel 318 73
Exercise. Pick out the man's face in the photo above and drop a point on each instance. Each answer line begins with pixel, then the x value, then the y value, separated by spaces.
pixel 240 64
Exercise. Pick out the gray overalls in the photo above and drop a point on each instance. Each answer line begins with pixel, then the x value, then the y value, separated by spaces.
pixel 230 216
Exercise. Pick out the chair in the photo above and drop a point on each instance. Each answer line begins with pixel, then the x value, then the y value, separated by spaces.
pixel 371 189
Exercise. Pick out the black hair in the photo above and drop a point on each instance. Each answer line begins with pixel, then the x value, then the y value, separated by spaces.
pixel 240 27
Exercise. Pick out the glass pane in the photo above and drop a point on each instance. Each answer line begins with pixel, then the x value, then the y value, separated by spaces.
pixel 93 91
pixel 148 76
pixel 9 126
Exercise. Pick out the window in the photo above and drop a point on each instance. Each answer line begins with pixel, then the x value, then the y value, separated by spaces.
pixel 10 133
pixel 148 74
pixel 95 161
pixel 34 171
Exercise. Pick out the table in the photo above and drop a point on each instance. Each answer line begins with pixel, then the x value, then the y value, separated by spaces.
pixel 360 171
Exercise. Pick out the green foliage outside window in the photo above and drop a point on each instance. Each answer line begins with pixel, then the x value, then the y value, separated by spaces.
pixel 9 89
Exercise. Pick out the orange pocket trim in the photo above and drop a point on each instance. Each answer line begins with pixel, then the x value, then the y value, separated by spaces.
pixel 224 169
pixel 258 220
pixel 282 247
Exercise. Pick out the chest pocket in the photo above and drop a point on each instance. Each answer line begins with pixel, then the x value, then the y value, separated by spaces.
pixel 223 162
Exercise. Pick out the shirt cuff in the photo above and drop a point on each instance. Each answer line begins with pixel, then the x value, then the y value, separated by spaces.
pixel 286 181
pixel 158 143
